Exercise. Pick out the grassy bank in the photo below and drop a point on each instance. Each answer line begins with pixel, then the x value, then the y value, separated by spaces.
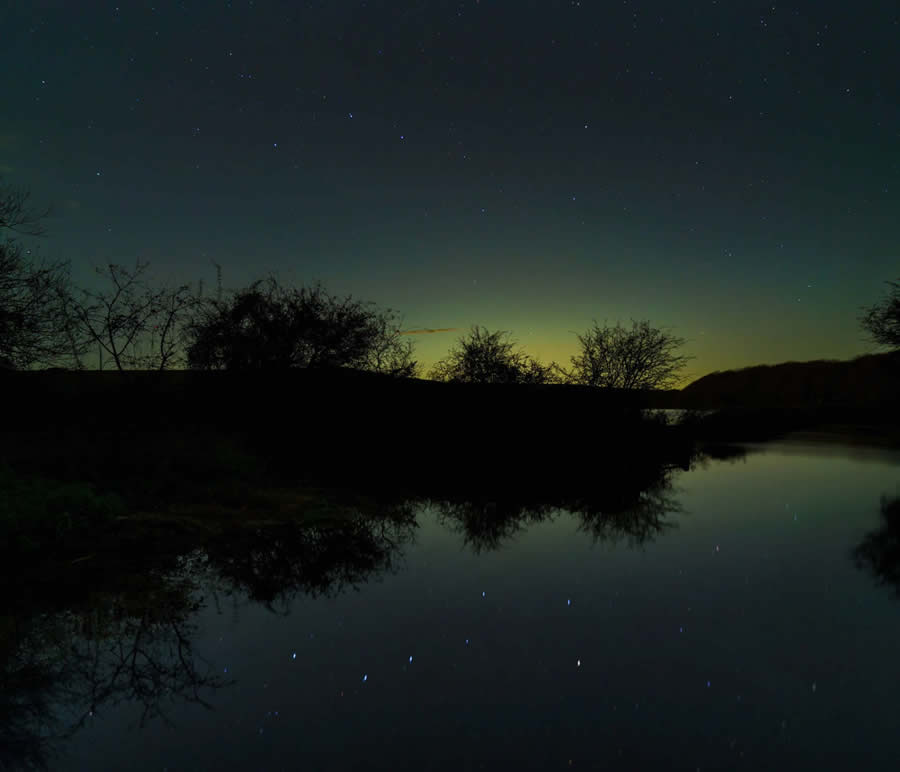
pixel 38 513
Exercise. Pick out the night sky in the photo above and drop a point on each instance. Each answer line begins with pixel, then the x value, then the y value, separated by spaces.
pixel 729 169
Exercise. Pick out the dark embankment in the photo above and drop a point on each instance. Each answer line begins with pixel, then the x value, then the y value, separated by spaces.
pixel 193 455
pixel 207 451
pixel 871 381
pixel 343 425
pixel 855 399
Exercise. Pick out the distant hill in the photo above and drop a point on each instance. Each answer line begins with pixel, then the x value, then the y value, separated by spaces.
pixel 872 380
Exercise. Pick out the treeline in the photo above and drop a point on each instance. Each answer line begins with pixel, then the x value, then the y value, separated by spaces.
pixel 130 322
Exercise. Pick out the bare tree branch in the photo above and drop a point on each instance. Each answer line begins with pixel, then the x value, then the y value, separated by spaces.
pixel 882 320
pixel 133 312
pixel 482 356
pixel 643 357
pixel 36 321
pixel 17 216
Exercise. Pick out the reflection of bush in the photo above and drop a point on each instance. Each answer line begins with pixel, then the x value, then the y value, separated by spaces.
pixel 63 668
pixel 274 564
pixel 29 689
pixel 488 524
pixel 135 645
pixel 632 507
pixel 637 517
pixel 879 552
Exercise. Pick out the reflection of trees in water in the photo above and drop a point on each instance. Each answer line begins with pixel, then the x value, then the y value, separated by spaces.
pixel 636 516
pixel 64 668
pixel 721 452
pixel 632 507
pixel 135 647
pixel 30 687
pixel 879 552
pixel 273 565
pixel 488 524
pixel 145 659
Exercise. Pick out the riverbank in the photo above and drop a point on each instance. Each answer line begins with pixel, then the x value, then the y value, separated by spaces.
pixel 99 467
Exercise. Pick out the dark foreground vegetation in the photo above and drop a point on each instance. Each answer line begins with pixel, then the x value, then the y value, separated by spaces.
pixel 162 460
pixel 169 459
pixel 128 499
pixel 69 656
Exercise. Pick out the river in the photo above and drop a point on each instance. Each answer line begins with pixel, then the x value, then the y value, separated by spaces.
pixel 743 615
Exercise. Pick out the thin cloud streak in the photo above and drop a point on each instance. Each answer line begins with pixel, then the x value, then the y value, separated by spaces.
pixel 428 330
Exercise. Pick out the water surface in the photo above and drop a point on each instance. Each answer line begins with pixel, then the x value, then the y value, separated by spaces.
pixel 726 625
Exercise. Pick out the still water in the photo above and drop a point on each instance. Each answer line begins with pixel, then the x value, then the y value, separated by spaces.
pixel 734 627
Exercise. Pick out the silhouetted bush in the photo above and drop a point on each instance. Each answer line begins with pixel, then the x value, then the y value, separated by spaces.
pixel 643 357
pixel 882 320
pixel 482 356
pixel 269 327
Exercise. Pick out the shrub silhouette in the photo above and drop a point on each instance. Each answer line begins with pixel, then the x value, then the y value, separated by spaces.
pixel 643 357
pixel 269 327
pixel 482 356
pixel 882 320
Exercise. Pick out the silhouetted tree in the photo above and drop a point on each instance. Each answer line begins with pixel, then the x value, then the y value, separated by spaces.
pixel 389 351
pixel 267 326
pixel 482 356
pixel 136 324
pixel 882 320
pixel 643 357
pixel 36 324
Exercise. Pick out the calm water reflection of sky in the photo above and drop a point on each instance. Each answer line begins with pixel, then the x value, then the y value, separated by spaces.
pixel 742 637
